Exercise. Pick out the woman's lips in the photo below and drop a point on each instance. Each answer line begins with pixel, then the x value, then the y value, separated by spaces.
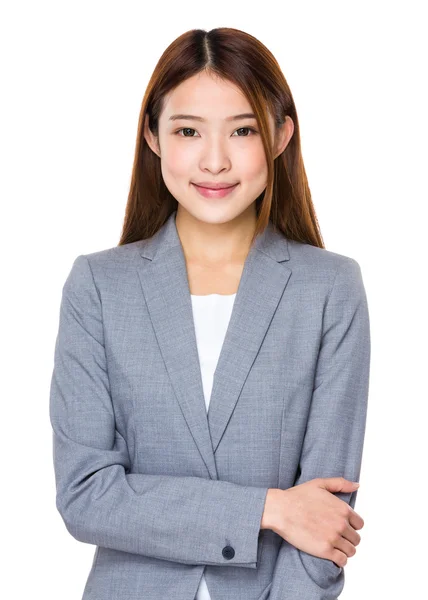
pixel 210 193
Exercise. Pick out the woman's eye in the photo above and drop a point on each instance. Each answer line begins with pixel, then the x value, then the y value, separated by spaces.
pixel 248 128
pixel 184 129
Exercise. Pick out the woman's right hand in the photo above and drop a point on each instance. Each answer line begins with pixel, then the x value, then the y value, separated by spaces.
pixel 312 519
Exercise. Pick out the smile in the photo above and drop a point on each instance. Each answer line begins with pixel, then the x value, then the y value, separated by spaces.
pixel 211 193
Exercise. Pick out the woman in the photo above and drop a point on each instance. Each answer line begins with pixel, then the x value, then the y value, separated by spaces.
pixel 210 384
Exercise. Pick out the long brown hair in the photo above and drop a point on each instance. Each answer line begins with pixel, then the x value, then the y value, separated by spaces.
pixel 240 58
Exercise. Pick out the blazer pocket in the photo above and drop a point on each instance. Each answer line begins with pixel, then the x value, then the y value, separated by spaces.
pixel 266 592
pixel 261 541
pixel 322 571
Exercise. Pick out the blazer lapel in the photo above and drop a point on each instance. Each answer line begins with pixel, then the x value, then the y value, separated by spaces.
pixel 167 294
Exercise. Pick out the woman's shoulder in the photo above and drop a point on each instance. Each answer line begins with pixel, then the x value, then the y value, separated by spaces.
pixel 114 253
pixel 114 263
pixel 316 259
pixel 115 257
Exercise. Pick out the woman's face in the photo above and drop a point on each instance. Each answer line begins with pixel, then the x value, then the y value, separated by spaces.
pixel 211 146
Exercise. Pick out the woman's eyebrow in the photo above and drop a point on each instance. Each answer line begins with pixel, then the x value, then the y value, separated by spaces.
pixel 195 118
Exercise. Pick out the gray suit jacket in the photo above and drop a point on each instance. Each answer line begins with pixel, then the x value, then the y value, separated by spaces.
pixel 168 492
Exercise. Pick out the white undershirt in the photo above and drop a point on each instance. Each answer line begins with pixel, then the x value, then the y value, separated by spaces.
pixel 211 315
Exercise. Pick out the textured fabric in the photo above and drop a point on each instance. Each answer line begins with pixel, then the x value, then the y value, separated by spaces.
pixel 211 316
pixel 167 491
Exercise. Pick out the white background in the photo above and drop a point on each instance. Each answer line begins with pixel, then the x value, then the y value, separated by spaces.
pixel 73 75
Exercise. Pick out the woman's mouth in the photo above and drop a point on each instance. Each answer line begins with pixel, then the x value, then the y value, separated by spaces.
pixel 211 193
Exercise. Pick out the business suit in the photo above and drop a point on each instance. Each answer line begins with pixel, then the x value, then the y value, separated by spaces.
pixel 165 490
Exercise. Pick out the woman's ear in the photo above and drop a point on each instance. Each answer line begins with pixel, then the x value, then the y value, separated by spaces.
pixel 150 138
pixel 284 135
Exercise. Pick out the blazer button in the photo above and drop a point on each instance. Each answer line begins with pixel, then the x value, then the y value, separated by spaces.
pixel 228 552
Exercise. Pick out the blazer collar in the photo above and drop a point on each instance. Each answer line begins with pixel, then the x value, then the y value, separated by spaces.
pixel 163 275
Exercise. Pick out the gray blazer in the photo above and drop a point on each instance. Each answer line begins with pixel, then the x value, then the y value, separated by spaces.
pixel 168 492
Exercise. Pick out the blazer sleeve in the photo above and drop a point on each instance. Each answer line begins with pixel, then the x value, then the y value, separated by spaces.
pixel 333 442
pixel 186 519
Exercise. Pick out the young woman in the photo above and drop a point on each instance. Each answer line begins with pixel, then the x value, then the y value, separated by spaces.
pixel 210 384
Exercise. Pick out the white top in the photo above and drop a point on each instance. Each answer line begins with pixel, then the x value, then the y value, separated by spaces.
pixel 211 315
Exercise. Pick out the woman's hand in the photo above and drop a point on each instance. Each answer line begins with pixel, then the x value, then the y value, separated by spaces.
pixel 312 519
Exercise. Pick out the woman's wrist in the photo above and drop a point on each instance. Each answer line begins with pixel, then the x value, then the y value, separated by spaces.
pixel 271 513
